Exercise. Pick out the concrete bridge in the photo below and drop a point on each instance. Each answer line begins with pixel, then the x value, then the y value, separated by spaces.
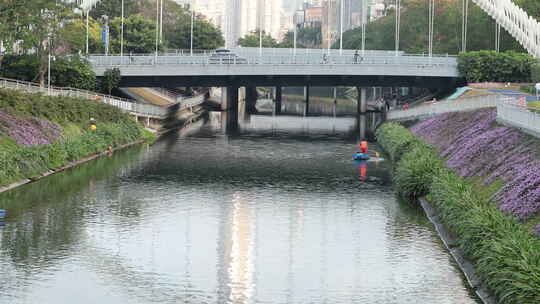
pixel 250 67
pixel 284 68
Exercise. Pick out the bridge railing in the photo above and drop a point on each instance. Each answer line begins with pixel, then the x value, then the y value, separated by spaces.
pixel 466 104
pixel 122 103
pixel 311 59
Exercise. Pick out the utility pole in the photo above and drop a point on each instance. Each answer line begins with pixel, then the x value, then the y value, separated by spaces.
pixel 161 23
pixel 192 23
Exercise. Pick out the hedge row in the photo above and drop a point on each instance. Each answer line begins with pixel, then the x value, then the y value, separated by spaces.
pixel 492 66
pixel 505 255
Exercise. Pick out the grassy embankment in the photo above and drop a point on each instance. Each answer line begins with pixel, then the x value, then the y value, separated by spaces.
pixel 40 133
pixel 485 181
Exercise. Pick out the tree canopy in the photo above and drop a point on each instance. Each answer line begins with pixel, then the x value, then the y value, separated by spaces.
pixel 380 34
pixel 139 35
pixel 253 39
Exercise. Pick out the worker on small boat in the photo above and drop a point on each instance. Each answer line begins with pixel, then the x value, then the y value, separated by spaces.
pixel 363 146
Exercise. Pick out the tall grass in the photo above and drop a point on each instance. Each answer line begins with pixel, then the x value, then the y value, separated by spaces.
pixel 505 254
pixel 415 171
pixel 395 142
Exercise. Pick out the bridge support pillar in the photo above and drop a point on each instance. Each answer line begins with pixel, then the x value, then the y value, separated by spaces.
pixel 251 100
pixel 362 100
pixel 277 100
pixel 334 112
pixel 229 98
pixel 306 100
pixel 362 122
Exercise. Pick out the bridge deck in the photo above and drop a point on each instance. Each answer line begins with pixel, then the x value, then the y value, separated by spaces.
pixel 307 69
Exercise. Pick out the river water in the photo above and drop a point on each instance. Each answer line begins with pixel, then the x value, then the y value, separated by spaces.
pixel 275 214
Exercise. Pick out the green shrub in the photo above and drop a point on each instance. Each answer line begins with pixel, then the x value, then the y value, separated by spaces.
pixel 396 140
pixel 535 72
pixel 492 66
pixel 415 172
pixel 528 89
pixel 73 71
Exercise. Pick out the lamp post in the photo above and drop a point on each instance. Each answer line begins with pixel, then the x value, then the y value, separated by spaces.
pixel 192 23
pixel 295 36
pixel 122 33
pixel 87 30
pixel 161 22
pixel 364 21
pixel 157 31
pixel 341 28
pixel 49 73
pixel 262 14
pixel 398 24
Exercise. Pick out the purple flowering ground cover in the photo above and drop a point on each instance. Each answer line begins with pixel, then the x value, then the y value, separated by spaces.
pixel 476 146
pixel 29 132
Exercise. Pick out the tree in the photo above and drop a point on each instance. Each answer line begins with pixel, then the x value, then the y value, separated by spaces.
pixel 177 29
pixel 113 8
pixel 380 34
pixel 205 35
pixel 72 37
pixel 139 35
pixel 288 41
pixel 253 40
pixel 111 79
pixel 74 72
pixel 34 25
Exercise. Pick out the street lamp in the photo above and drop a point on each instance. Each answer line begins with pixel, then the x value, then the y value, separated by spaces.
pixel 122 33
pixel 87 30
pixel 192 22
pixel 157 31
pixel 49 68
pixel 341 28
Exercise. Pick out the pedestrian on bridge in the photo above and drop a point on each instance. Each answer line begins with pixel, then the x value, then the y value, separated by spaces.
pixel 356 55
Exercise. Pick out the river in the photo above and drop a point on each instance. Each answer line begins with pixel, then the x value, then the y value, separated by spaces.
pixel 277 213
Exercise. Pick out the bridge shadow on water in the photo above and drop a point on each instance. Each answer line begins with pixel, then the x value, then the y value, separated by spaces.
pixel 326 120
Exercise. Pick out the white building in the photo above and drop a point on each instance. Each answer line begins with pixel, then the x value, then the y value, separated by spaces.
pixel 236 18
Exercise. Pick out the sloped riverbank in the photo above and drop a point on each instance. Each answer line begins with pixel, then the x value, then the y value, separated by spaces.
pixel 483 180
pixel 41 135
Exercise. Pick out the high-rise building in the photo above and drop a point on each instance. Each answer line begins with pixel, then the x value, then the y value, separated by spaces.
pixel 236 18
